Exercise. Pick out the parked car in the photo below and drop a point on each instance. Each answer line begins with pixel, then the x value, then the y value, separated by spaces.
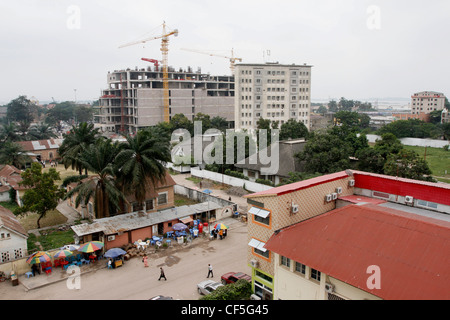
pixel 232 277
pixel 208 286
pixel 161 298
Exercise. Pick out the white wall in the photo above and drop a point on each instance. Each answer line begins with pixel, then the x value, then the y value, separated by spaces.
pixel 236 182
pixel 12 243
pixel 414 141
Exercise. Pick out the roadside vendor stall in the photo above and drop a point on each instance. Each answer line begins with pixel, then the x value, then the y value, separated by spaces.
pixel 116 256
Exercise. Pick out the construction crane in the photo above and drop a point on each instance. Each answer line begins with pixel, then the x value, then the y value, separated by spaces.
pixel 232 59
pixel 165 61
pixel 155 62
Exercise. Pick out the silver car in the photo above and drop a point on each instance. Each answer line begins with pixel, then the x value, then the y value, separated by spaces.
pixel 208 286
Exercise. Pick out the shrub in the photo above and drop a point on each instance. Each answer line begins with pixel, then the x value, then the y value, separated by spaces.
pixel 240 290
pixel 265 182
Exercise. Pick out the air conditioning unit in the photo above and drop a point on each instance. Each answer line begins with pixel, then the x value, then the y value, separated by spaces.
pixel 329 287
pixel 339 190
pixel 255 297
pixel 334 196
pixel 328 198
pixel 254 263
pixel 111 238
pixel 409 199
pixel 294 208
pixel 351 183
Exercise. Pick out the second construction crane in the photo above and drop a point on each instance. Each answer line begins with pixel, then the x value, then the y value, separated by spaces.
pixel 165 63
pixel 232 59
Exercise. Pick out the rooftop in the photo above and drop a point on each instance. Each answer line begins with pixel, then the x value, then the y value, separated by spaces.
pixel 411 251
pixel 140 219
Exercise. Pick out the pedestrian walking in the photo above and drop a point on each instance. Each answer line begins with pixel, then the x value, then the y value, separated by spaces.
pixel 162 275
pixel 210 271
pixel 145 260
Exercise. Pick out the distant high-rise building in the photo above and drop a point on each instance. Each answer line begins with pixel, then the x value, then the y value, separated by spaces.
pixel 426 102
pixel 274 91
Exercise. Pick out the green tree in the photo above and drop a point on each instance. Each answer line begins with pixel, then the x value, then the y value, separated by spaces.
pixel 219 123
pixel 83 113
pixel 141 161
pixel 63 111
pixel 180 121
pixel 8 132
pixel 389 144
pixel 41 132
pixel 21 110
pixel 205 120
pixel 407 164
pixel 326 153
pixel 74 144
pixel 42 194
pixel 370 160
pixel 98 158
pixel 266 124
pixel 333 106
pixel 322 110
pixel 13 154
pixel 435 116
pixel 293 129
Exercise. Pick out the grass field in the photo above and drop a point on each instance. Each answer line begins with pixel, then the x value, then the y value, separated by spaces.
pixel 438 160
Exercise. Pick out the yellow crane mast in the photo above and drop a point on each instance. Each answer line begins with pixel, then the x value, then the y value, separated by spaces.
pixel 165 61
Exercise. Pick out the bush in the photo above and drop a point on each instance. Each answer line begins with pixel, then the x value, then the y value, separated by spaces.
pixel 235 174
pixel 265 182
pixel 240 290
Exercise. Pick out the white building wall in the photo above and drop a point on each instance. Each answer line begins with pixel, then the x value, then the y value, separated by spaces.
pixel 11 245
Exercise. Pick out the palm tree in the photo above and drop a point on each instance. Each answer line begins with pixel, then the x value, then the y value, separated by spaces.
pixel 8 132
pixel 141 161
pixel 41 132
pixel 13 154
pixel 98 158
pixel 75 142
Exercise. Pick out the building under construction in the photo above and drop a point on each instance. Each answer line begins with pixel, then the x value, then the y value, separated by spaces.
pixel 134 99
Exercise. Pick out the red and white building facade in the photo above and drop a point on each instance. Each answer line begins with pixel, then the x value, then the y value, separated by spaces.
pixel 351 235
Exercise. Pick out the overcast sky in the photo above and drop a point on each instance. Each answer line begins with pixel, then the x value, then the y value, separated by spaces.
pixel 359 49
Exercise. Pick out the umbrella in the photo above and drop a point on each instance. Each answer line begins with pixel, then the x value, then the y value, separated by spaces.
pixel 220 226
pixel 91 246
pixel 179 226
pixel 63 254
pixel 114 253
pixel 38 257
pixel 207 191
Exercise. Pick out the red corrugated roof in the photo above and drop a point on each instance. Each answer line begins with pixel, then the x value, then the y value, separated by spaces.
pixel 413 254
pixel 423 190
pixel 299 185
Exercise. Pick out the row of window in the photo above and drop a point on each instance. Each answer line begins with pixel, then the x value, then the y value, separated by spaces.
pixel 273 72
pixel 275 106
pixel 4 236
pixel 300 268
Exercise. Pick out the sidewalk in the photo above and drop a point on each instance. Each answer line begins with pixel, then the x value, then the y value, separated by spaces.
pixel 58 274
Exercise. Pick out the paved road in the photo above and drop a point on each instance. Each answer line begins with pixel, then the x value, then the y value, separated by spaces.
pixel 184 269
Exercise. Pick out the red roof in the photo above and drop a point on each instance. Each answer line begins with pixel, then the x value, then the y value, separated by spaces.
pixel 423 190
pixel 412 253
pixel 299 185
